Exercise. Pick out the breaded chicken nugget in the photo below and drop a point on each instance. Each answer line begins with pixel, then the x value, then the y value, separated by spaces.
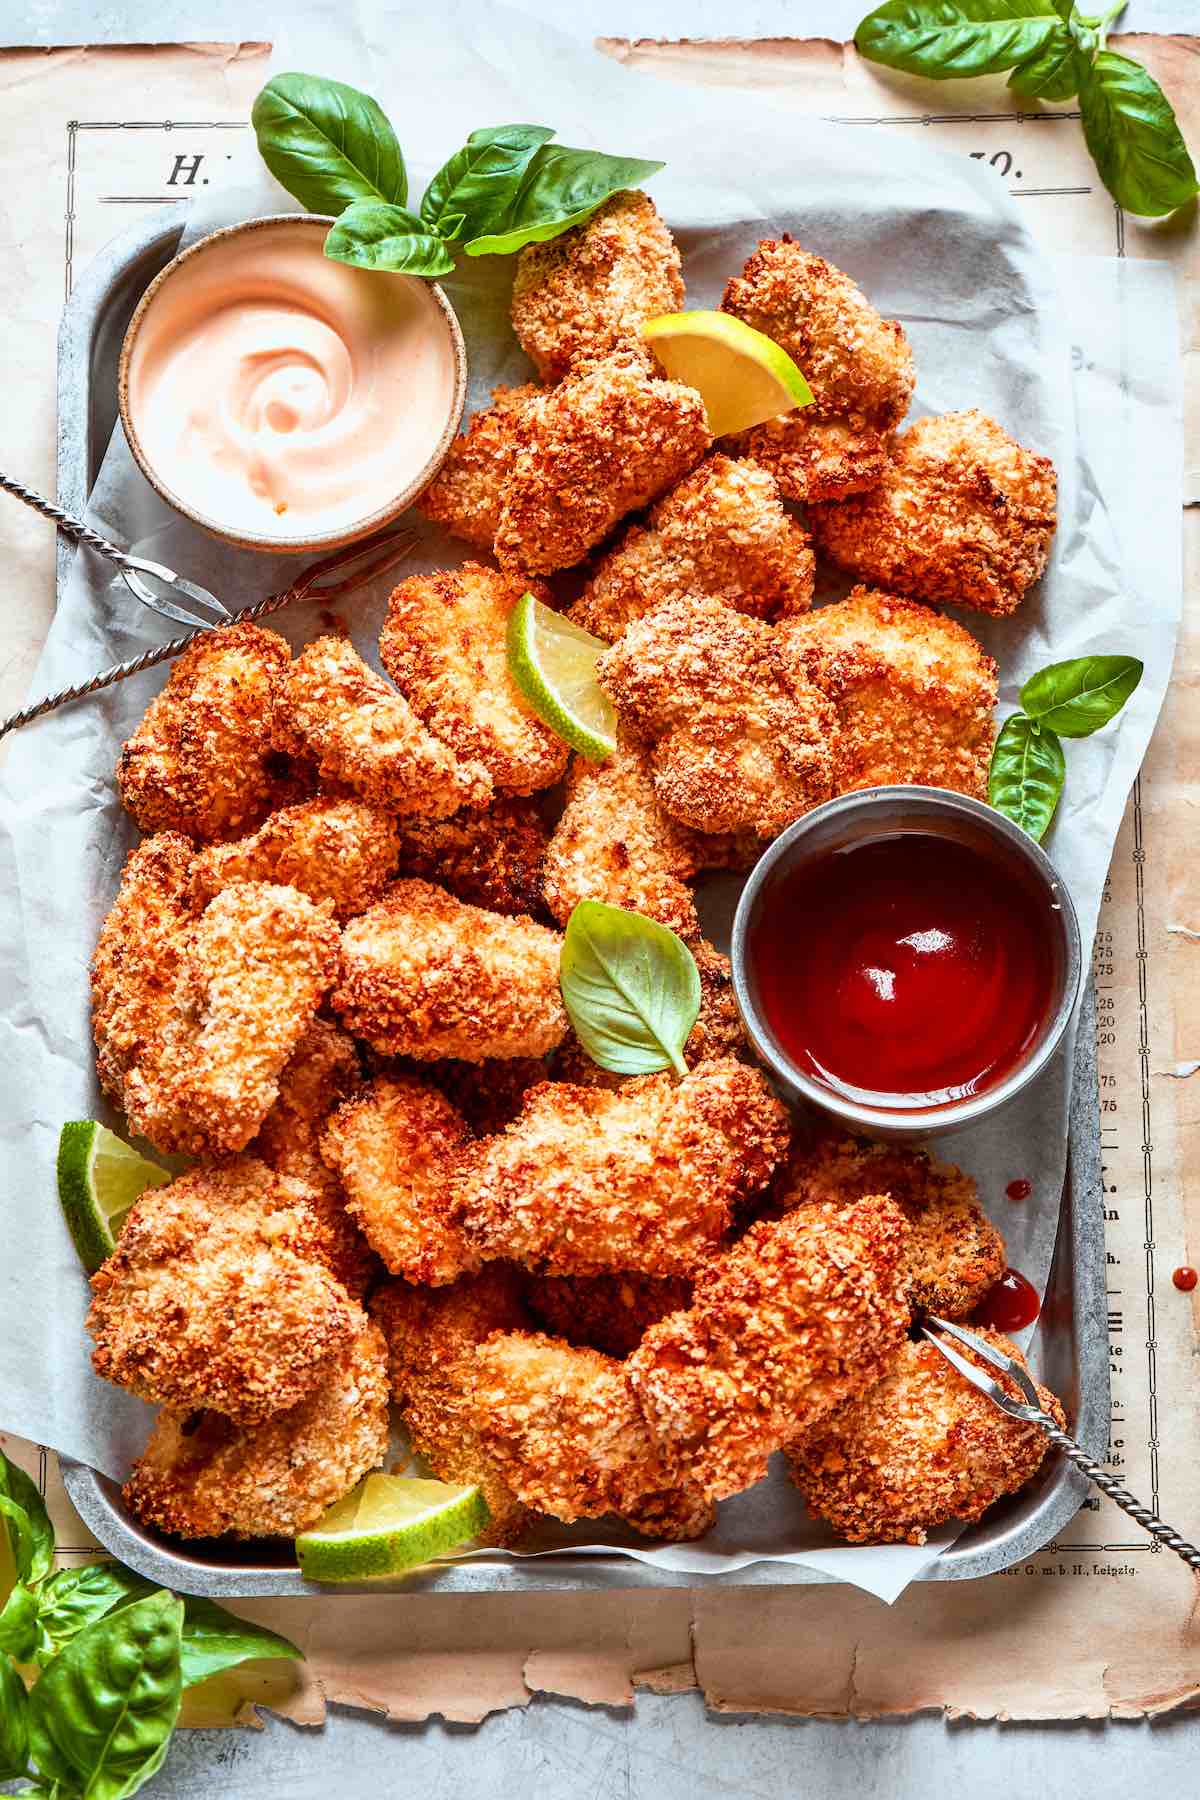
pixel 718 1031
pixel 858 365
pixel 586 1180
pixel 365 736
pixel 800 1313
pixel 392 1147
pixel 199 760
pixel 564 1429
pixel 443 644
pixel 914 692
pixel 741 740
pixel 600 445
pixel 343 851
pixel 580 294
pixel 201 1475
pixel 488 856
pixel 431 1337
pixel 611 1313
pixel 216 1295
pixel 954 1255
pixel 720 532
pixel 919 1447
pixel 139 956
pixel 424 975
pixel 466 493
pixel 963 514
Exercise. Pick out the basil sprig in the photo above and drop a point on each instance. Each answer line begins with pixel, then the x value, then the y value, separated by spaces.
pixel 1065 700
pixel 115 1652
pixel 631 989
pixel 1053 52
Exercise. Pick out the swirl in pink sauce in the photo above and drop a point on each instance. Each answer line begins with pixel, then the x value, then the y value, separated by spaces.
pixel 279 393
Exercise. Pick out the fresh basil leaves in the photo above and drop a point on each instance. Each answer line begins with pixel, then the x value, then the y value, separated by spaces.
pixel 333 148
pixel 1054 52
pixel 631 989
pixel 1067 699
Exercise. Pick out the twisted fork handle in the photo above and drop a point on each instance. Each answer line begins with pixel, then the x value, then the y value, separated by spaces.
pixel 1149 1521
pixel 66 522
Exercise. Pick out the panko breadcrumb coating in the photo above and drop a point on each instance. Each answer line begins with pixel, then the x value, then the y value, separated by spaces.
pixel 432 1336
pixel 963 514
pixel 467 492
pixel 425 975
pixel 721 532
pixel 741 740
pixel 139 956
pixel 201 1475
pixel 489 856
pixel 914 691
pixel 918 1448
pixel 564 1429
pixel 718 1030
pixel 583 292
pixel 954 1255
pixel 343 851
pixel 199 762
pixel 611 1313
pixel 363 735
pixel 392 1147
pixel 603 443
pixel 587 1180
pixel 858 365
pixel 216 1295
pixel 799 1314
pixel 443 644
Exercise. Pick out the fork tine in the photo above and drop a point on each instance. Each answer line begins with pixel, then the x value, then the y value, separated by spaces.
pixel 973 1373
pixel 998 1359
pixel 356 564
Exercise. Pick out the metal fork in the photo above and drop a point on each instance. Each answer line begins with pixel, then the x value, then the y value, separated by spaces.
pixel 1032 1413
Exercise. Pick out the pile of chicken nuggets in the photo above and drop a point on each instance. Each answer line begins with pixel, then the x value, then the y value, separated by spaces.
pixel 330 976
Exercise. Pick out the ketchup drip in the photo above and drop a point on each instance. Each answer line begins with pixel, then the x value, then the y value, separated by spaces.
pixel 1019 1190
pixel 1185 1278
pixel 1011 1305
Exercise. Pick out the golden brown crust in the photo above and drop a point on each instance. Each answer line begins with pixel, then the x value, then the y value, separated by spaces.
pixel 425 975
pixel 920 1447
pixel 443 644
pixel 138 957
pixel 718 1030
pixel 814 457
pixel 583 292
pixel 466 493
pixel 487 856
pixel 962 514
pixel 611 1313
pixel 343 851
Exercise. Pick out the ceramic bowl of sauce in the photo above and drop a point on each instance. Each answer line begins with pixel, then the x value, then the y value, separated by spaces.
pixel 284 401
pixel 907 959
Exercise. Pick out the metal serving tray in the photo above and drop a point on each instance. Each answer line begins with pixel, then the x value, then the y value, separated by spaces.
pixel 1072 1345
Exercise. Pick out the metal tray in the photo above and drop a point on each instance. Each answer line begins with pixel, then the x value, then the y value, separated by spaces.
pixel 1072 1344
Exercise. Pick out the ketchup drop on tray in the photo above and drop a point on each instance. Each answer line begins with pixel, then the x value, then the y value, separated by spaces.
pixel 1011 1305
pixel 1019 1190
pixel 910 970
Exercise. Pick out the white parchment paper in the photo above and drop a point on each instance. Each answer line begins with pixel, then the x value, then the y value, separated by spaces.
pixel 1080 362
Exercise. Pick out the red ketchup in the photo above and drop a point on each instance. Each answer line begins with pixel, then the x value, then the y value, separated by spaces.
pixel 1185 1278
pixel 1019 1190
pixel 903 972
pixel 1011 1305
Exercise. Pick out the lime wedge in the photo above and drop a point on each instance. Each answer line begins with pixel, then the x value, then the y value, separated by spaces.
pixel 553 663
pixel 99 1178
pixel 387 1524
pixel 742 376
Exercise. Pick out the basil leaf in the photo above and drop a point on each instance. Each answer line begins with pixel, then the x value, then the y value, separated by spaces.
pixel 1076 698
pixel 1026 774
pixel 327 144
pixel 371 235
pixel 19 1625
pixel 1050 75
pixel 74 1598
pixel 1133 136
pixel 30 1531
pixel 560 188
pixel 630 987
pixel 945 38
pixel 102 1715
pixel 214 1639
pixel 14 1723
pixel 480 180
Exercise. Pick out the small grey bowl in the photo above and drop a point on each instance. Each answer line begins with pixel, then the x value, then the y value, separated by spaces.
pixel 859 818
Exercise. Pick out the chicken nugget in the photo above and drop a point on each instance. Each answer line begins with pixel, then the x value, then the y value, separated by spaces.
pixel 963 514
pixel 444 645
pixel 488 856
pixel 603 443
pixel 919 1447
pixel 814 458
pixel 718 1030
pixel 740 739
pixel 914 691
pixel 203 1476
pixel 564 1429
pixel 199 762
pixel 800 1313
pixel 216 1295
pixel 392 1146
pixel 585 291
pixel 587 1180
pixel 425 975
pixel 611 1313
pixel 343 851
pixel 720 532
pixel 465 495
pixel 139 956
pixel 365 736
pixel 432 1335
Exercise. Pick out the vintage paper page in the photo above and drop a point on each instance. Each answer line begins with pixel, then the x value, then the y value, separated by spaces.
pixel 1098 1623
